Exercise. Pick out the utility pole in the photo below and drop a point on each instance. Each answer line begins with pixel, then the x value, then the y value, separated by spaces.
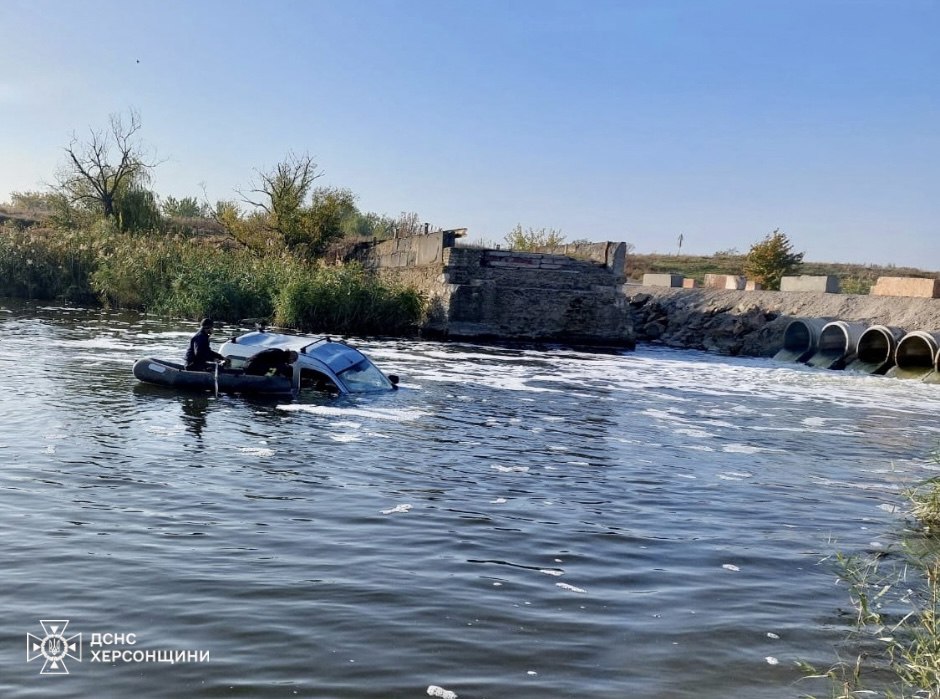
pixel 680 244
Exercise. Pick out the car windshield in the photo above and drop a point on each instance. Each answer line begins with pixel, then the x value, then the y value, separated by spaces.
pixel 364 376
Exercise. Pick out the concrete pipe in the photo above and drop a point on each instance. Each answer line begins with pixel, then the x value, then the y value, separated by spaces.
pixel 916 355
pixel 837 343
pixel 801 339
pixel 874 353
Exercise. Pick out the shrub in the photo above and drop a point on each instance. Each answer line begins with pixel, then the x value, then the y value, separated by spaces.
pixel 771 259
pixel 343 299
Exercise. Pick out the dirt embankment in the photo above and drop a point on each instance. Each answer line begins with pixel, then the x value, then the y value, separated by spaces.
pixel 752 322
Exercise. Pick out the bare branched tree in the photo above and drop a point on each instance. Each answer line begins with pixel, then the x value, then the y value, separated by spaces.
pixel 97 170
pixel 282 191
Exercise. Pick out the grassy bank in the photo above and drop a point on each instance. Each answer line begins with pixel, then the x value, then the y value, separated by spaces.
pixel 895 598
pixel 185 277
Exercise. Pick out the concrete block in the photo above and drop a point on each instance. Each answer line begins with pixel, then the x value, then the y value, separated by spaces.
pixel 906 286
pixel 662 280
pixel 689 283
pixel 751 285
pixel 723 281
pixel 823 284
pixel 428 249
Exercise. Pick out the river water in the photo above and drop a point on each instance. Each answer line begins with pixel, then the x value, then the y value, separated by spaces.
pixel 511 523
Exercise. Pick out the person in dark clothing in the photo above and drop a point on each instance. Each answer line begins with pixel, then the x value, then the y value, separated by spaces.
pixel 272 362
pixel 199 355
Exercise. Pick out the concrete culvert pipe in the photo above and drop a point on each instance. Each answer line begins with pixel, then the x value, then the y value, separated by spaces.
pixel 916 355
pixel 874 353
pixel 837 342
pixel 801 339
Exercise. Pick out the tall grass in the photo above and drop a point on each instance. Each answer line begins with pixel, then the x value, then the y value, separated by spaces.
pixel 44 267
pixel 185 277
pixel 344 299
pixel 896 599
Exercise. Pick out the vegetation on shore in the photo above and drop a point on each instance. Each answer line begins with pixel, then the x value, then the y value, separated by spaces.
pixel 101 236
pixel 895 597
pixel 186 277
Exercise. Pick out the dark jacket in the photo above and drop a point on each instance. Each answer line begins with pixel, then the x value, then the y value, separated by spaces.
pixel 199 352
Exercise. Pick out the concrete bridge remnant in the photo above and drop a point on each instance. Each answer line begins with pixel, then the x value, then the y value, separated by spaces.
pixel 486 294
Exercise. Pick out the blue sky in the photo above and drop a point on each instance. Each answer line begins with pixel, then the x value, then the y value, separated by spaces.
pixel 636 120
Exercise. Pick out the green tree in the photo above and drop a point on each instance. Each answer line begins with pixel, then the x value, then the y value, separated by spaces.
pixel 533 239
pixel 187 207
pixel 291 212
pixel 136 209
pixel 771 259
pixel 109 162
pixel 281 192
pixel 323 221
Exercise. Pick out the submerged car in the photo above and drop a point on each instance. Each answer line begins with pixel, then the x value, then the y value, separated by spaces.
pixel 264 362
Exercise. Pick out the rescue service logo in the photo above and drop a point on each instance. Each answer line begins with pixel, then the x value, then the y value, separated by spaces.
pixel 109 647
pixel 54 647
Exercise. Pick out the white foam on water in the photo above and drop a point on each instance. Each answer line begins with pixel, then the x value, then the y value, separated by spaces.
pixel 440 692
pixel 397 509
pixel 771 634
pixel 49 449
pixel 498 501
pixel 403 415
pixel 694 432
pixel 346 437
pixel 857 486
pixel 697 447
pixel 771 660
pixel 743 449
pixel 552 571
pixel 101 343
pixel 260 452
pixel 887 507
pixel 347 423
pixel 665 415
pixel 814 421
pixel 531 672
pixel 510 469
pixel 578 463
pixel 730 566
pixel 165 431
pixel 570 588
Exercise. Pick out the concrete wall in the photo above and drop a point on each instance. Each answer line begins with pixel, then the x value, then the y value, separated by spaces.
pixel 510 295
pixel 907 286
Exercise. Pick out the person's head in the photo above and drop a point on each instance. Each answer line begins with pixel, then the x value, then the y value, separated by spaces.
pixel 207 325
